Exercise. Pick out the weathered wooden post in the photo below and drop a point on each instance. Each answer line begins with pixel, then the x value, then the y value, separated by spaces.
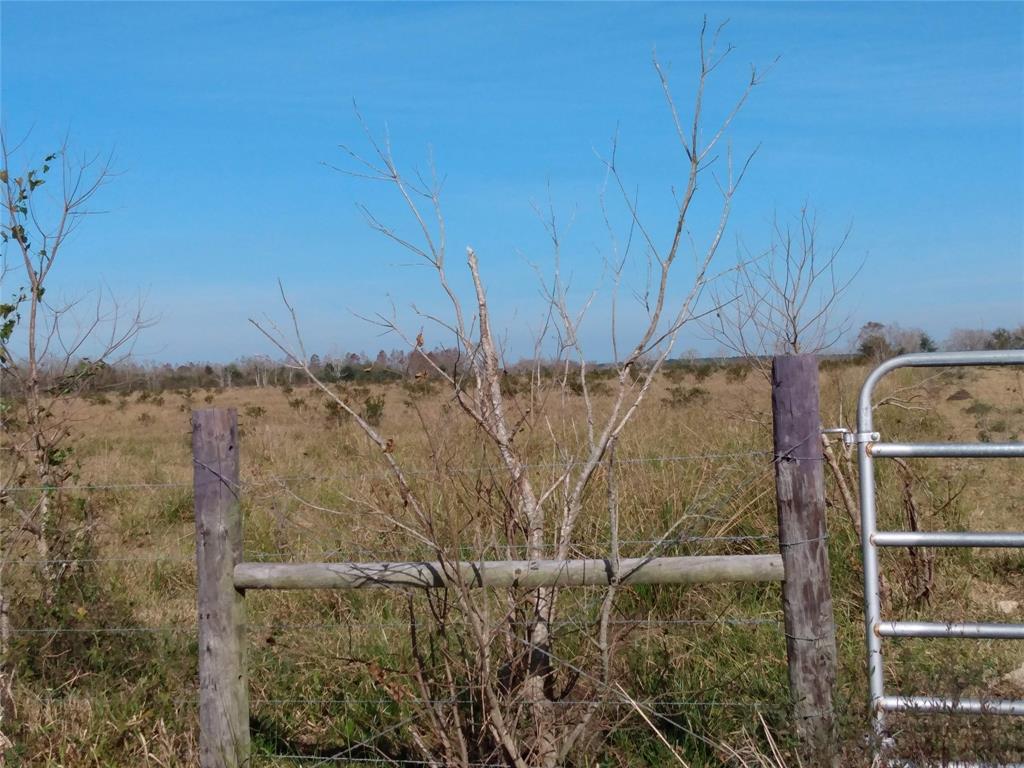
pixel 806 589
pixel 223 688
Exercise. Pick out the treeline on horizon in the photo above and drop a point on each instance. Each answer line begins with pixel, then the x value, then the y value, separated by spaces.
pixel 874 343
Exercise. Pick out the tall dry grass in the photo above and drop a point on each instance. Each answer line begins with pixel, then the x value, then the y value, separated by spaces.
pixel 115 683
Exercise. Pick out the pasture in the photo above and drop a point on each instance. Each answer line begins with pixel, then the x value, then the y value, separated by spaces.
pixel 106 675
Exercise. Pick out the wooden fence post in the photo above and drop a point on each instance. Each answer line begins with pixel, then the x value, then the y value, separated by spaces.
pixel 223 688
pixel 806 589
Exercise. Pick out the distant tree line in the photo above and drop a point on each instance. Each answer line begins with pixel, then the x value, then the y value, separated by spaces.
pixel 875 342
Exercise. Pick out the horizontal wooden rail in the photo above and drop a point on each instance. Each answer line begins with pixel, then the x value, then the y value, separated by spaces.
pixel 527 574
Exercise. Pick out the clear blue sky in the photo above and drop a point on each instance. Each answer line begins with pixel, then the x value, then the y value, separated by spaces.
pixel 906 119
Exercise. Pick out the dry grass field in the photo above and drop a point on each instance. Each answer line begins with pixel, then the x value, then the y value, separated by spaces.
pixel 108 677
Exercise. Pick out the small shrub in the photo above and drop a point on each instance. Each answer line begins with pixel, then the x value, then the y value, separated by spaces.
pixel 158 400
pixel 701 371
pixel 297 403
pixel 186 400
pixel 373 409
pixel 424 386
pixel 593 387
pixel 254 412
pixel 509 385
pixel 979 408
pixel 680 396
pixel 674 372
pixel 334 415
pixel 146 418
pixel 737 372
pixel 208 399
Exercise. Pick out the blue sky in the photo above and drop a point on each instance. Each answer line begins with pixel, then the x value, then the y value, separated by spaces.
pixel 905 119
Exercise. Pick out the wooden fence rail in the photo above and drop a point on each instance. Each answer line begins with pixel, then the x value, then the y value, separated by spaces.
pixel 510 574
pixel 802 565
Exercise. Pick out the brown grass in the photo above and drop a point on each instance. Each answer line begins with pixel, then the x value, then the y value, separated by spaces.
pixel 120 699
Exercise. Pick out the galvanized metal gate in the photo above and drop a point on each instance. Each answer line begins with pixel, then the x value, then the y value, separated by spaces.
pixel 870 447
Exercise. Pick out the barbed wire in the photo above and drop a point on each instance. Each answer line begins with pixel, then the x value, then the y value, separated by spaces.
pixel 399 761
pixel 171 629
pixel 668 540
pixel 95 560
pixel 273 627
pixel 659 545
pixel 641 707
pixel 381 701
pixel 379 471
pixel 192 700
pixel 647 622
pixel 374 555
pixel 654 714
pixel 403 556
pixel 696 509
pixel 93 487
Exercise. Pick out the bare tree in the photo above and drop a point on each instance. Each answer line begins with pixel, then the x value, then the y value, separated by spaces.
pixel 786 299
pixel 49 349
pixel 512 661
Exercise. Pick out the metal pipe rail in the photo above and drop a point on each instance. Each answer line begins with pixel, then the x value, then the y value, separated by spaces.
pixel 870 447
pixel 970 630
pixel 946 450
pixel 952 706
pixel 946 539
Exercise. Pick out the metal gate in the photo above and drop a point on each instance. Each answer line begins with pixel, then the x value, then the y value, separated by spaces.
pixel 869 448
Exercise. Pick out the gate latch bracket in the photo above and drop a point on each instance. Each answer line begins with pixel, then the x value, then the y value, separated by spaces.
pixel 853 438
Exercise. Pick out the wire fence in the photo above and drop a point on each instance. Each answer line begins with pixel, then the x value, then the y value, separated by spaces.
pixel 301 692
pixel 710 506
pixel 388 625
pixel 665 709
pixel 278 481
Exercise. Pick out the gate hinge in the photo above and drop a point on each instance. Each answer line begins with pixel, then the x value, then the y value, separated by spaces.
pixel 853 438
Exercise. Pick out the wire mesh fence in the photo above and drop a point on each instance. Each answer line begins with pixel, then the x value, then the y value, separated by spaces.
pixel 166 573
